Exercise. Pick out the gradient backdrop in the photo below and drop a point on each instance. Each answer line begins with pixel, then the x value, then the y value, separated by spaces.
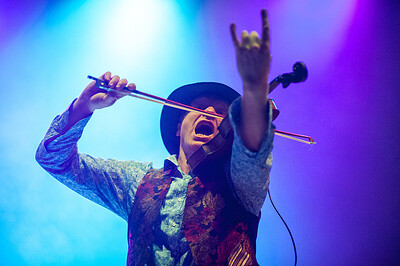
pixel 340 197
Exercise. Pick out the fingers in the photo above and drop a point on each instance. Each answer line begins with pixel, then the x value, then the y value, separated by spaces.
pixel 254 40
pixel 234 36
pixel 118 85
pixel 245 39
pixel 106 76
pixel 250 41
pixel 131 86
pixel 121 84
pixel 265 28
pixel 113 82
pixel 96 98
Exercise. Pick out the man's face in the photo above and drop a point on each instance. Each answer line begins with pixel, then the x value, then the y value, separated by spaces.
pixel 197 129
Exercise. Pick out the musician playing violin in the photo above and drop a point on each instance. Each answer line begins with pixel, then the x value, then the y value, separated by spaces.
pixel 175 217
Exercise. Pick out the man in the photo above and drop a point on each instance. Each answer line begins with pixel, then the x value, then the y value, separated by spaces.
pixel 175 217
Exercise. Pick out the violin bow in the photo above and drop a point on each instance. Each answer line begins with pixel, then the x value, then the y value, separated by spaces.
pixel 101 84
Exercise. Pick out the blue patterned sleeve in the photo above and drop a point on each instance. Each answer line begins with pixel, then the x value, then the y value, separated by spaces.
pixel 109 183
pixel 250 170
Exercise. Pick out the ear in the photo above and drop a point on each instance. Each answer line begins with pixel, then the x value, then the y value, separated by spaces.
pixel 178 132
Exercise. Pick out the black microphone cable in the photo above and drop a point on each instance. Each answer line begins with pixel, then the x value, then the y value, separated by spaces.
pixel 287 227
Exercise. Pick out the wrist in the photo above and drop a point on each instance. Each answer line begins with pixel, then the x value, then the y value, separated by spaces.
pixel 81 108
pixel 256 92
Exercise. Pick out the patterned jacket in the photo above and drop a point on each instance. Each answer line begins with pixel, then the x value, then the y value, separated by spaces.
pixel 218 229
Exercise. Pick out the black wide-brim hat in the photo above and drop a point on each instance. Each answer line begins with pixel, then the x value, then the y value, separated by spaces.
pixel 171 117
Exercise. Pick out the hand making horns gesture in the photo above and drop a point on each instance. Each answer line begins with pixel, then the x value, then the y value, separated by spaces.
pixel 253 56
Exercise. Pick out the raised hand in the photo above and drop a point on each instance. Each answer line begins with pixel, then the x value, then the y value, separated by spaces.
pixel 253 60
pixel 253 56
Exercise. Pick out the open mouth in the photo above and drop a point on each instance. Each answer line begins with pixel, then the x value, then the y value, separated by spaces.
pixel 205 128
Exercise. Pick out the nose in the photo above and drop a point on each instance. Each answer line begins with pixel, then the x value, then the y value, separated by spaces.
pixel 210 109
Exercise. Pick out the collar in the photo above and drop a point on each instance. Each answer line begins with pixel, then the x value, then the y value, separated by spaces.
pixel 171 166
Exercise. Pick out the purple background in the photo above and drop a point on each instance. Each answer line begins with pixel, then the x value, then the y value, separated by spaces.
pixel 340 197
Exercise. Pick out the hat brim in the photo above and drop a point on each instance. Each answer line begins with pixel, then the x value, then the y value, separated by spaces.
pixel 170 117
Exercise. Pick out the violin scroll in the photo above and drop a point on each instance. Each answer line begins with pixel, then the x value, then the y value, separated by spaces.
pixel 299 74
